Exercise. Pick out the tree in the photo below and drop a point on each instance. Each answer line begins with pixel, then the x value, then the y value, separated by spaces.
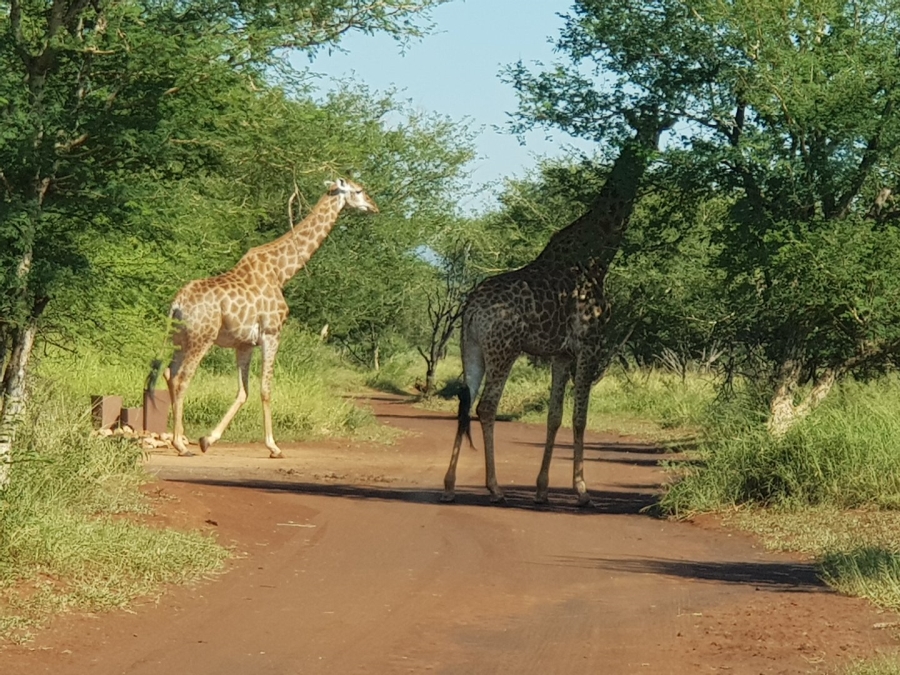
pixel 95 94
pixel 444 307
pixel 789 115
pixel 367 282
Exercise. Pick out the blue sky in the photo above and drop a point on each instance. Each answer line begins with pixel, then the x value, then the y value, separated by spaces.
pixel 454 71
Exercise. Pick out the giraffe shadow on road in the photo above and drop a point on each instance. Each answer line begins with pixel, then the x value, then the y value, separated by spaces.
pixel 634 502
pixel 770 575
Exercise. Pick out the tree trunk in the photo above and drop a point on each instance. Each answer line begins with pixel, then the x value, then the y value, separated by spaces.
pixel 430 384
pixel 784 413
pixel 376 358
pixel 13 395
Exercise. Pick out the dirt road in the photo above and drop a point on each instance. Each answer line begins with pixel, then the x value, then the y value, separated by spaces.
pixel 349 564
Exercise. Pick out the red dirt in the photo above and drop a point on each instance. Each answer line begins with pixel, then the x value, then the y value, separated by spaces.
pixel 349 564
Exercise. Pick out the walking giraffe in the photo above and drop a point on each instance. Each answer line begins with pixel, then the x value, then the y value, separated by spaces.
pixel 244 308
pixel 553 307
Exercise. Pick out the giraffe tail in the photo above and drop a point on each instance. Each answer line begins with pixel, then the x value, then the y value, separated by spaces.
pixel 152 377
pixel 156 364
pixel 464 419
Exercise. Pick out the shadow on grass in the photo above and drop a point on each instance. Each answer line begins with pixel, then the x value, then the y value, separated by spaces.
pixel 633 502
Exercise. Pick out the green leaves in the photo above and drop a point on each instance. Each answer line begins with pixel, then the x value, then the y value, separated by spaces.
pixel 153 132
pixel 786 150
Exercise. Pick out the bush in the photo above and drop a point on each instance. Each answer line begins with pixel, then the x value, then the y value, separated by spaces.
pixel 61 524
pixel 845 455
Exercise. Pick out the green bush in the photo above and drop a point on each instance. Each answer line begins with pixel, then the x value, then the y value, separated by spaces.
pixel 64 526
pixel 846 454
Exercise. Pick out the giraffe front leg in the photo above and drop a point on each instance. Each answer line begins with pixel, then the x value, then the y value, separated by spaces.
pixel 269 343
pixel 559 379
pixel 243 354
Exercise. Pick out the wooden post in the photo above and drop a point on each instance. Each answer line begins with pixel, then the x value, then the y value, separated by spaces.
pixel 156 411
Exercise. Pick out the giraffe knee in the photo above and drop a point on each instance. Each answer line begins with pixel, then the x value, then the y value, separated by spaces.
pixel 486 410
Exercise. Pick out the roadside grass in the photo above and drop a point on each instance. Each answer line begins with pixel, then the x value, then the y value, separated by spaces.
pixel 70 536
pixel 883 665
pixel 844 455
pixel 830 488
pixel 312 390
pixel 857 551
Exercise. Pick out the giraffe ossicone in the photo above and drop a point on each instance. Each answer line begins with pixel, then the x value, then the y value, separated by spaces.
pixel 244 308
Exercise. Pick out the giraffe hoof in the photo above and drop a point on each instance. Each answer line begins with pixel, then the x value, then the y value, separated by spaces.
pixel 585 502
pixel 185 453
pixel 498 498
pixel 448 497
pixel 541 498
pixel 276 455
pixel 204 444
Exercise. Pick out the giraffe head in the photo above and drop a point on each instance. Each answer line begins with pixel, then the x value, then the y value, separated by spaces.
pixel 352 195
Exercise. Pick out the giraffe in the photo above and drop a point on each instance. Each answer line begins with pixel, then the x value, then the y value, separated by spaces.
pixel 553 307
pixel 244 308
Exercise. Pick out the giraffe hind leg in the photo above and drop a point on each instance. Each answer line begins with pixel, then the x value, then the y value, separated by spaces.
pixel 559 379
pixel 473 371
pixel 496 374
pixel 243 354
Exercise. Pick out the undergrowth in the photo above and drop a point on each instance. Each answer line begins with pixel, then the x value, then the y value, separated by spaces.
pixel 844 455
pixel 69 536
pixel 312 391
pixel 650 402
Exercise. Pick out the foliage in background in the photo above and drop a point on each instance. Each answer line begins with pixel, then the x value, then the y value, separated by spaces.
pixel 106 103
pixel 791 118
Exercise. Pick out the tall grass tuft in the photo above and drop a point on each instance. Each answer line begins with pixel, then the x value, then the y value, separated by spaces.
pixel 884 665
pixel 866 571
pixel 310 396
pixel 844 455
pixel 63 533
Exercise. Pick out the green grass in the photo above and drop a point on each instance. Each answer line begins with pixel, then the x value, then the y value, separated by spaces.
pixel 857 551
pixel 651 403
pixel 70 535
pixel 844 455
pixel 311 391
pixel 883 665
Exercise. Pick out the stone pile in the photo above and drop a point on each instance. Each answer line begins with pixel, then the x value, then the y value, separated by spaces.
pixel 147 424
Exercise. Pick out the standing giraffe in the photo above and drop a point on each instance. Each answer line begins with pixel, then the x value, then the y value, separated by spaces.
pixel 244 308
pixel 553 307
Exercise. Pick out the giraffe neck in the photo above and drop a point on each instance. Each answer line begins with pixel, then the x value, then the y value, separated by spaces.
pixel 281 259
pixel 595 237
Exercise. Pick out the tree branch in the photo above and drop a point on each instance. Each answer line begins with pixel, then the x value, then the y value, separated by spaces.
pixel 870 156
